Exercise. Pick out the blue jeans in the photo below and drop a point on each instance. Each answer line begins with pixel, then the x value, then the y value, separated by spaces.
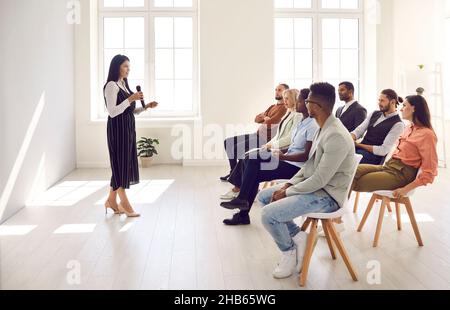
pixel 278 217
pixel 370 158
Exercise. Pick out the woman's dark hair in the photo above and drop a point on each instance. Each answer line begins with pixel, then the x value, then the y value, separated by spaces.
pixel 304 93
pixel 422 115
pixel 392 95
pixel 114 70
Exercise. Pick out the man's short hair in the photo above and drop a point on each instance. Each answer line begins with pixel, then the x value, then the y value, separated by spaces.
pixel 286 86
pixel 349 86
pixel 326 92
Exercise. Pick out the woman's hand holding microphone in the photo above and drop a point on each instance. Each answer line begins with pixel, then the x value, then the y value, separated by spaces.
pixel 138 96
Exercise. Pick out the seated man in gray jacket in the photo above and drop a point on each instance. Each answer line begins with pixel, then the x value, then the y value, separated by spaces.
pixel 319 187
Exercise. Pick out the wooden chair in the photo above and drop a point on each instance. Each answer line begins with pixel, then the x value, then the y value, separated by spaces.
pixel 332 236
pixel 355 207
pixel 387 197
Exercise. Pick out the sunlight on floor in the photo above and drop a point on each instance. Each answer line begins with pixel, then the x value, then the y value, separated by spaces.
pixel 68 193
pixel 420 218
pixel 146 192
pixel 16 230
pixel 75 229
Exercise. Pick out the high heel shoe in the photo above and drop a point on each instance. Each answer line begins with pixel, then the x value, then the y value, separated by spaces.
pixel 108 206
pixel 128 214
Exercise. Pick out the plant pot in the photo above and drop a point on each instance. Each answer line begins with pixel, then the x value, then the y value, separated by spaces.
pixel 146 162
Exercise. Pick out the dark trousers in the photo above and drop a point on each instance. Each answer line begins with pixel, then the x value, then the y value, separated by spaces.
pixel 236 147
pixel 370 158
pixel 255 172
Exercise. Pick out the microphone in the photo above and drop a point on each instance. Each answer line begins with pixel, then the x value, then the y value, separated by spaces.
pixel 138 88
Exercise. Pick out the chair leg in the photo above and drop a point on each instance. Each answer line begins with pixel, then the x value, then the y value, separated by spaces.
pixel 308 253
pixel 306 224
pixel 388 206
pixel 326 230
pixel 412 218
pixel 384 204
pixel 398 215
pixel 355 207
pixel 367 213
pixel 338 241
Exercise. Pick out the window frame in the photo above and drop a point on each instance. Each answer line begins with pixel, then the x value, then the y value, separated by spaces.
pixel 316 13
pixel 149 13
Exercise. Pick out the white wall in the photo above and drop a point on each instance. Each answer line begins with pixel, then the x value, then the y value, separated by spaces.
pixel 236 72
pixel 36 48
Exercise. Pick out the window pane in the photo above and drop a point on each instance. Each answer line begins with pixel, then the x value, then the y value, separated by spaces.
pixel 349 64
pixel 183 95
pixel 137 63
pixel 173 3
pixel 183 64
pixel 163 3
pixel 303 33
pixel 113 32
pixel 113 3
pixel 340 4
pixel 133 3
pixel 284 32
pixel 330 64
pixel 302 4
pixel 183 32
pixel 289 4
pixel 164 32
pixel 182 3
pixel 134 32
pixel 164 64
pixel 284 64
pixel 330 4
pixel 164 92
pixel 349 33
pixel 303 64
pixel 330 33
pixel 349 4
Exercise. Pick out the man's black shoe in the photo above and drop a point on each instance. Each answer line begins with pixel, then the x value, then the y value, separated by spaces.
pixel 240 218
pixel 236 204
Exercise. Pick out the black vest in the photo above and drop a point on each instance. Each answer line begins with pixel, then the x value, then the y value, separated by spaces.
pixel 376 135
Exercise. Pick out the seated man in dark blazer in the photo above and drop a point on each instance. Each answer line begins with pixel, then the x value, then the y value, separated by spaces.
pixel 352 114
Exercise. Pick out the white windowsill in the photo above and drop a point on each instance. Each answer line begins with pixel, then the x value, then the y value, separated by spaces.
pixel 157 122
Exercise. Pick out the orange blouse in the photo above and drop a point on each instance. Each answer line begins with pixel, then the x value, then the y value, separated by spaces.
pixel 418 148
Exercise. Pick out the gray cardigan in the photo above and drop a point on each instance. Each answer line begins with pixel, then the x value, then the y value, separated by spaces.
pixel 330 165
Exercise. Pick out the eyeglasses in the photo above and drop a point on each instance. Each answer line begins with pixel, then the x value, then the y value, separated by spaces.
pixel 315 102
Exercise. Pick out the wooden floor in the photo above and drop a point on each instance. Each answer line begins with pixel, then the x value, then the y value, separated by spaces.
pixel 181 243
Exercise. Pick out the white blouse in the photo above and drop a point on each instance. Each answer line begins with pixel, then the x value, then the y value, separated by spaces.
pixel 111 91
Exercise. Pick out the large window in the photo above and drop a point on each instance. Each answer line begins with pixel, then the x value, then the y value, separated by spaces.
pixel 318 40
pixel 160 38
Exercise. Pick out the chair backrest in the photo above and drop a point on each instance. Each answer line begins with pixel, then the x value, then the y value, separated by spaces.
pixel 357 159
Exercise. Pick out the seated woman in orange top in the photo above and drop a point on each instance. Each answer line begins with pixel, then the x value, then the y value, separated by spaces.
pixel 416 151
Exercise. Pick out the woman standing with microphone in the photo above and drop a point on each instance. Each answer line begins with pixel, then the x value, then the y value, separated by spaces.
pixel 121 105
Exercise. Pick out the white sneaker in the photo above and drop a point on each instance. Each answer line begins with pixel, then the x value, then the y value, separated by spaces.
pixel 300 240
pixel 287 264
pixel 340 228
pixel 229 196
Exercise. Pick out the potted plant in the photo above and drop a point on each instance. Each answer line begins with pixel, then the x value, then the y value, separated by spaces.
pixel 146 150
